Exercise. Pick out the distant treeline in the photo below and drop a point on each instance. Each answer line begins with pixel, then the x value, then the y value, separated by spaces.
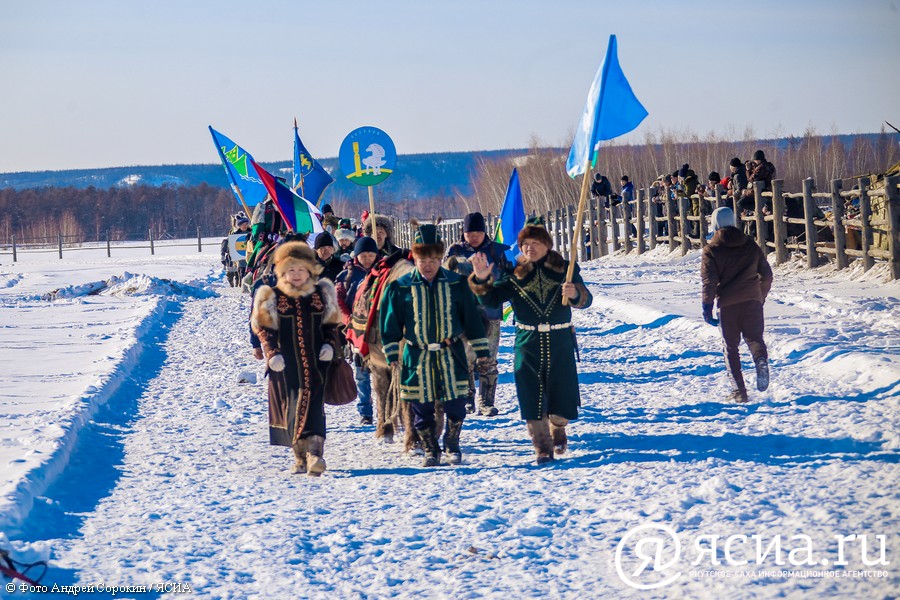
pixel 433 185
pixel 41 214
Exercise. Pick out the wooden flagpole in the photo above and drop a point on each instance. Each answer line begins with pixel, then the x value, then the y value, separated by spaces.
pixel 579 221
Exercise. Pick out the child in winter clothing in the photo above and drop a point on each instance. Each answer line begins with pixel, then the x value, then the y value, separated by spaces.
pixel 365 254
pixel 734 270
pixel 297 325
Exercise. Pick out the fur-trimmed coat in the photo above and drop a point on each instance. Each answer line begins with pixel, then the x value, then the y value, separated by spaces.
pixel 296 322
pixel 545 371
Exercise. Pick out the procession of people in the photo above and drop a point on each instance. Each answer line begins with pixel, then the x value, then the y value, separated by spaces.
pixel 435 314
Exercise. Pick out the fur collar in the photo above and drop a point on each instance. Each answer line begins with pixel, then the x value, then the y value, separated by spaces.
pixel 265 309
pixel 293 291
pixel 553 261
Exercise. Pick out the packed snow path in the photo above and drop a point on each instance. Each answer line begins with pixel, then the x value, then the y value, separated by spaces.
pixel 174 480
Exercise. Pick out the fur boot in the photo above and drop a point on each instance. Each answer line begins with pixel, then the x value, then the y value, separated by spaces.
pixel 451 442
pixel 762 373
pixel 432 449
pixel 486 400
pixel 541 439
pixel 299 449
pixel 558 432
pixel 470 396
pixel 315 450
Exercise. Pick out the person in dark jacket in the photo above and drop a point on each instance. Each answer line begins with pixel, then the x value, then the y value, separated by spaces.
pixel 737 183
pixel 601 188
pixel 365 253
pixel 475 240
pixel 734 271
pixel 331 265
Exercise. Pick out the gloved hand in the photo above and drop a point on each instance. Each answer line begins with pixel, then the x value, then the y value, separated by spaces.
pixel 707 315
pixel 276 363
pixel 326 353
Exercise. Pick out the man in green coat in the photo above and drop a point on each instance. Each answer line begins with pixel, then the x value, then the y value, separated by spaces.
pixel 431 309
pixel 545 371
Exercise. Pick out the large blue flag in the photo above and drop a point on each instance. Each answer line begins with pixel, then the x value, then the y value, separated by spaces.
pixel 310 178
pixel 298 212
pixel 512 217
pixel 236 161
pixel 611 110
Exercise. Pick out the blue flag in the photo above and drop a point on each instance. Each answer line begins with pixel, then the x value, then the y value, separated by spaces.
pixel 512 217
pixel 310 178
pixel 236 161
pixel 611 110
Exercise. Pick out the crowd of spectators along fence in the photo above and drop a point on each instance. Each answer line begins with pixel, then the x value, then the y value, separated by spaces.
pixel 863 223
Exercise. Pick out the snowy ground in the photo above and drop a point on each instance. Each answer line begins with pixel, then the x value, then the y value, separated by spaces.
pixel 131 455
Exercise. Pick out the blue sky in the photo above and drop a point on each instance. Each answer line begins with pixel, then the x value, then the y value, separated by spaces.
pixel 113 83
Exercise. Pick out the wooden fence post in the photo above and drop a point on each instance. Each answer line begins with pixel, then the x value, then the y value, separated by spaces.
pixel 592 227
pixel 720 200
pixel 557 237
pixel 626 213
pixel 651 219
pixel 613 226
pixel 640 220
pixel 809 213
pixel 704 225
pixel 670 220
pixel 15 256
pixel 892 201
pixel 152 249
pixel 59 241
pixel 778 225
pixel 571 253
pixel 684 204
pixel 601 227
pixel 199 242
pixel 837 215
pixel 760 217
pixel 865 215
pixel 108 246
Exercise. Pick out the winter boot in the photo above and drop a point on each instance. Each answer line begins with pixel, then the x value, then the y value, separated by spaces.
pixel 486 401
pixel 541 439
pixel 738 395
pixel 558 433
pixel 315 450
pixel 470 396
pixel 432 449
pixel 451 441
pixel 762 373
pixel 299 448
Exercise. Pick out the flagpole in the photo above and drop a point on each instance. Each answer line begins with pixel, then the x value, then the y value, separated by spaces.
pixel 244 204
pixel 579 221
pixel 372 209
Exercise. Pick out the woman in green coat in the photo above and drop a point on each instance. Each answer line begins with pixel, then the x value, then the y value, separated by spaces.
pixel 545 337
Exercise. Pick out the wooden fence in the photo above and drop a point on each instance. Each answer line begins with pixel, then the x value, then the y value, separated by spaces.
pixel 814 223
pixel 67 243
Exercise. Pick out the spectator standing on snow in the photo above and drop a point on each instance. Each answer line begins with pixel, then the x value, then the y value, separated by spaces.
pixel 297 324
pixel 545 371
pixel 734 272
pixel 475 240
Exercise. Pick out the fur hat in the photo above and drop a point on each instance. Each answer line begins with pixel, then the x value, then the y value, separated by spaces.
pixel 380 221
pixel 534 229
pixel 427 242
pixel 759 155
pixel 735 162
pixel 474 222
pixel 324 240
pixel 345 233
pixel 722 217
pixel 683 171
pixel 714 177
pixel 296 253
pixel 365 244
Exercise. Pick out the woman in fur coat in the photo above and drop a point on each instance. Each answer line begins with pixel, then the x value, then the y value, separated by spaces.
pixel 297 324
pixel 545 336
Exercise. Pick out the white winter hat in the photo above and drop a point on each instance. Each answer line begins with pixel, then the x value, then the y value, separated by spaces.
pixel 722 217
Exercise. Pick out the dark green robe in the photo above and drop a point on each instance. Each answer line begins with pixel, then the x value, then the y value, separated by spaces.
pixel 545 371
pixel 423 313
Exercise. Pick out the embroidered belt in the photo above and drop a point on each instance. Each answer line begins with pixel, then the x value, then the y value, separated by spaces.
pixel 544 327
pixel 434 347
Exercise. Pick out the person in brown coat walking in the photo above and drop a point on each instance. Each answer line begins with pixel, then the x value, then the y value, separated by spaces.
pixel 735 272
